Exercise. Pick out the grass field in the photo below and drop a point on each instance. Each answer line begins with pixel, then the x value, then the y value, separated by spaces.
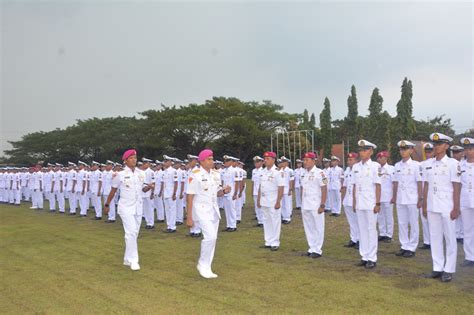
pixel 58 264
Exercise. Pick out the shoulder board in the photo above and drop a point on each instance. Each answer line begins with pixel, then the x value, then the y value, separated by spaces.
pixel 196 171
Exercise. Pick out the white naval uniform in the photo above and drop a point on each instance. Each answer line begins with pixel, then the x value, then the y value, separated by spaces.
pixel 366 177
pixel 348 203
pixel 47 185
pixel 230 176
pixel 385 216
pixel 2 187
pixel 336 175
pixel 148 206
pixel 256 175
pixel 328 201
pixel 424 221
pixel 180 192
pixel 81 191
pixel 107 177
pixel 440 176
pixel 311 184
pixel 241 200
pixel 95 177
pixel 408 174
pixel 196 229
pixel 287 201
pixel 130 208
pixel 58 189
pixel 467 207
pixel 37 187
pixel 298 173
pixel 157 200
pixel 24 177
pixel 72 196
pixel 205 186
pixel 170 178
pixel 270 181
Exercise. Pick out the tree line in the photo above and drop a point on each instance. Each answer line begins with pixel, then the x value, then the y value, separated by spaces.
pixel 228 126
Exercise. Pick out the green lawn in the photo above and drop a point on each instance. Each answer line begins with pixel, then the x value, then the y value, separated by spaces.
pixel 51 263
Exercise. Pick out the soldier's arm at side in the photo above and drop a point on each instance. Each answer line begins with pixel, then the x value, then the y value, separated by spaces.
pixel 109 199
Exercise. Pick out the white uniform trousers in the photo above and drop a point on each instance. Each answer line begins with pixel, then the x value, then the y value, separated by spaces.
pixel 258 211
pixel 353 223
pixel 131 226
pixel 72 197
pixel 459 227
pixel 313 223
pixel 25 191
pixel 408 217
pixel 271 226
pixel 287 207
pixel 97 204
pixel 335 197
pixel 83 202
pixel 179 209
pixel 230 213
pixel 11 197
pixel 238 208
pixel 170 210
pixel 148 211
pixel 425 228
pixel 208 244
pixel 385 219
pixel 298 197
pixel 368 242
pixel 60 198
pixel 38 199
pixel 1 194
pixel 220 202
pixel 160 208
pixel 17 196
pixel 196 228
pixel 468 225
pixel 442 227
pixel 51 199
pixel 112 208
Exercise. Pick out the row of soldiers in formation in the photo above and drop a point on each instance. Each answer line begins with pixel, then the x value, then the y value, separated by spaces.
pixel 425 190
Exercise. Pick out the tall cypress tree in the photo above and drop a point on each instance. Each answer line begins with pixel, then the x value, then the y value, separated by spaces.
pixel 352 125
pixel 403 124
pixel 326 128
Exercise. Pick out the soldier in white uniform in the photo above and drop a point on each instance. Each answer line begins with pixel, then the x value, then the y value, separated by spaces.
pixel 270 194
pixel 58 187
pixel 467 201
pixel 24 176
pixel 95 188
pixel 148 206
pixel 457 153
pixel 287 202
pixel 80 188
pixel 230 177
pixel 195 229
pixel 107 176
pixel 242 191
pixel 2 185
pixel 48 187
pixel 367 192
pixel 70 178
pixel 385 217
pixel 219 165
pixel 336 177
pixel 314 193
pixel 326 167
pixel 441 205
pixel 256 175
pixel 428 153
pixel 348 201
pixel 299 170
pixel 169 188
pixel 130 181
pixel 204 186
pixel 37 188
pixel 407 194
pixel 157 195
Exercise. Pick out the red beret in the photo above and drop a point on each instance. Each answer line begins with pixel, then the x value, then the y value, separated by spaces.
pixel 352 155
pixel 269 154
pixel 310 155
pixel 128 154
pixel 383 154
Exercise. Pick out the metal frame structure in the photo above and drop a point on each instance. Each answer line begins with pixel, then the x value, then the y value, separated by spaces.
pixel 288 143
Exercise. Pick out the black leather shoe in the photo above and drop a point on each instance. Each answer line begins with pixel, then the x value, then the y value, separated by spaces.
pixel 160 221
pixel 274 248
pixel 179 223
pixel 425 246
pixel 467 263
pixel 265 246
pixel 434 275
pixel 387 239
pixel 350 244
pixel 170 231
pixel 109 221
pixel 83 215
pixel 361 263
pixel 315 255
pixel 232 230
pixel 335 215
pixel 460 241
pixel 408 254
pixel 259 225
pixel 381 238
pixel 446 277
pixel 400 253
pixel 238 221
pixel 72 213
pixel 98 218
pixel 370 264
pixel 357 245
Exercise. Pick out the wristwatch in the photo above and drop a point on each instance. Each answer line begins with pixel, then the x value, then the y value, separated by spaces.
pixel 377 204
pixel 322 205
pixel 106 205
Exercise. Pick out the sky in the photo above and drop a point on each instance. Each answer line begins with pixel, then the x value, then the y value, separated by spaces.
pixel 68 60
